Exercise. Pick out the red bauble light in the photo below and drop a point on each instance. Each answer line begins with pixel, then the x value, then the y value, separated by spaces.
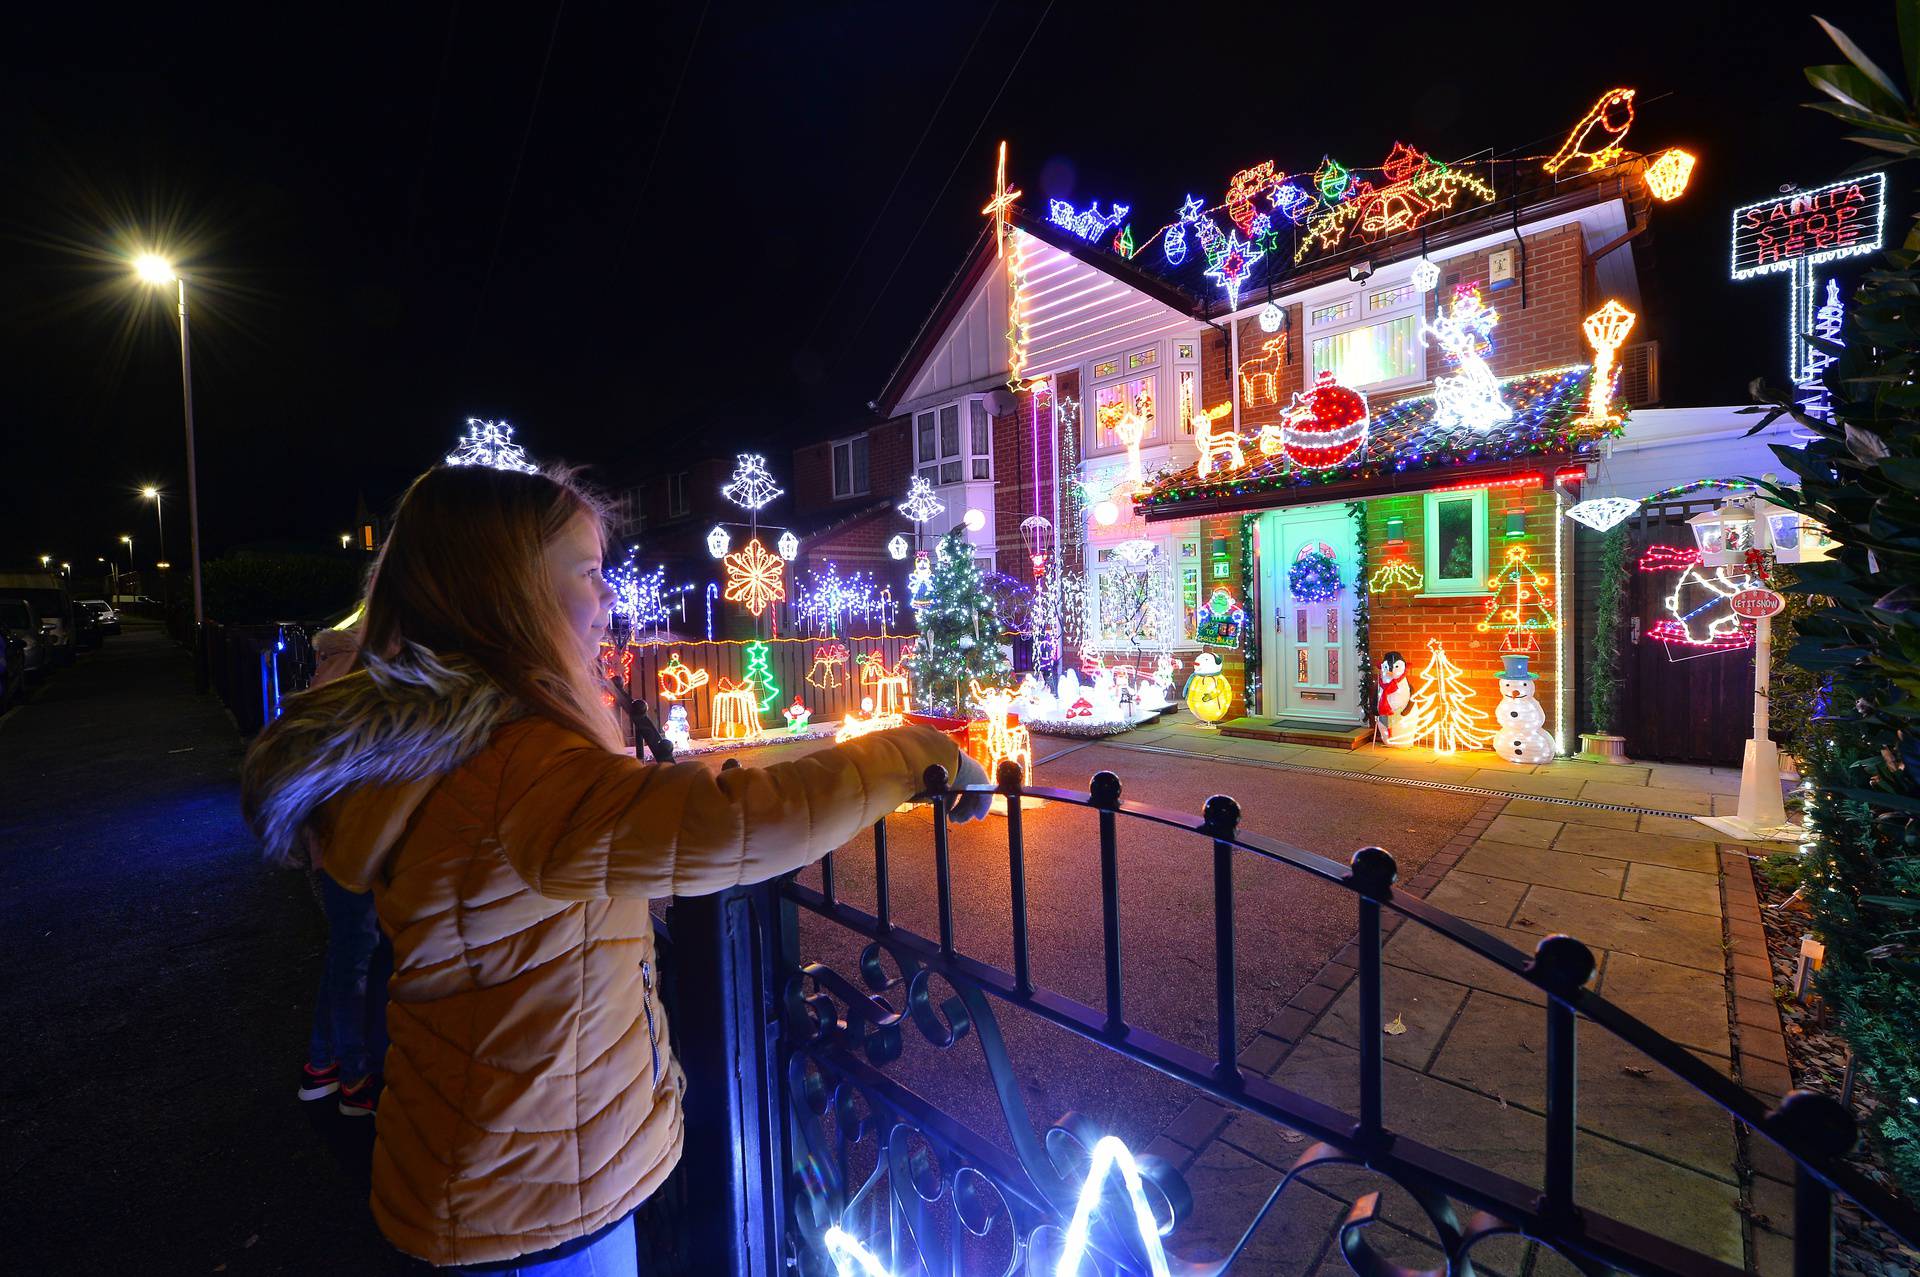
pixel 1324 426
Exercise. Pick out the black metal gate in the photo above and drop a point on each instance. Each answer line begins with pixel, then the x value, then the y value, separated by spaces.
pixel 814 1157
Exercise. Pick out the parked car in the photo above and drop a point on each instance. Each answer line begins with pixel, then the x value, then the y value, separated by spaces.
pixel 13 671
pixel 20 623
pixel 103 612
pixel 47 591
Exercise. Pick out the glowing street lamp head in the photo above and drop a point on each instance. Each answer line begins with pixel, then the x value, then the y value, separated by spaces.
pixel 154 269
pixel 149 492
pixel 126 540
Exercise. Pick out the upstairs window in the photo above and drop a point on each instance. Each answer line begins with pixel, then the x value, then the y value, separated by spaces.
pixel 630 511
pixel 850 467
pixel 944 452
pixel 1369 339
pixel 677 494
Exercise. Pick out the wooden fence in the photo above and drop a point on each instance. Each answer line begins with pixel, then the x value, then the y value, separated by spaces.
pixel 806 667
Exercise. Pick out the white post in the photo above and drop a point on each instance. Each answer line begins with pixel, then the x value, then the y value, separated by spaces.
pixel 1761 807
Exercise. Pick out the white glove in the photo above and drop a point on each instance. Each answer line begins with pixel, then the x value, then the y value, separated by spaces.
pixel 965 807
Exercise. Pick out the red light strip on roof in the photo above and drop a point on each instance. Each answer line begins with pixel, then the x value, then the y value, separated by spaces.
pixel 1533 480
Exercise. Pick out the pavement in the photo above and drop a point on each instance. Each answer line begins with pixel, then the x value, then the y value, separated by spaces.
pixel 159 983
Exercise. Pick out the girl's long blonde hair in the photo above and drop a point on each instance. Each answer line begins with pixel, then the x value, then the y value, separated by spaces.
pixel 462 572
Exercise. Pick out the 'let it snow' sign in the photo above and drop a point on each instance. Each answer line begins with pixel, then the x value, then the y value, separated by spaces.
pixel 1805 228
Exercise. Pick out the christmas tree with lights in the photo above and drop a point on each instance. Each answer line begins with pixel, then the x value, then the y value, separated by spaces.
pixel 959 630
pixel 1441 714
pixel 1520 603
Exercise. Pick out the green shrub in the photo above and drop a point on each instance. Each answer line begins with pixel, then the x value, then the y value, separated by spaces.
pixel 1860 476
pixel 247 588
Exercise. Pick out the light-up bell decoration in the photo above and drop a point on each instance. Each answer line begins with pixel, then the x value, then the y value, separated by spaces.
pixel 920 504
pixel 751 487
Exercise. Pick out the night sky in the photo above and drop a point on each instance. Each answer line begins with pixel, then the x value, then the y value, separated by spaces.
pixel 621 226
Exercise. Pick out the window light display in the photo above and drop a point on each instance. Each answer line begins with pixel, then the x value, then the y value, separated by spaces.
pixel 1667 176
pixel 1594 141
pixel 751 487
pixel 1441 713
pixel 1606 329
pixel 1521 605
pixel 755 578
pixel 490 444
pixel 1469 396
pixel 679 681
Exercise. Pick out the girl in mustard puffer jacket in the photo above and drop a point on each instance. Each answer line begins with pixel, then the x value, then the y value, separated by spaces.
pixel 472 778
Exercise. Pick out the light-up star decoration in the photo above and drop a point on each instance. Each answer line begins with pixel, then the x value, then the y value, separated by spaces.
pixel 490 444
pixel 1602 513
pixel 751 487
pixel 1001 204
pixel 920 504
pixel 754 577
pixel 853 1259
pixel 1233 264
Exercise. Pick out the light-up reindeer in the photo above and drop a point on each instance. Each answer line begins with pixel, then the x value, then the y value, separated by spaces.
pixel 1225 443
pixel 1260 376
pixel 999 738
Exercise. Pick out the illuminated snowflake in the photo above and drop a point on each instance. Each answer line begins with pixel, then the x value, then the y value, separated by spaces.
pixel 754 577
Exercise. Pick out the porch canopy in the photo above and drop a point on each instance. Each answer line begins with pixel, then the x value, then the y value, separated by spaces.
pixel 1406 451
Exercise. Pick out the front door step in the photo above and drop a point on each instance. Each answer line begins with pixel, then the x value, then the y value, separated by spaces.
pixel 1299 731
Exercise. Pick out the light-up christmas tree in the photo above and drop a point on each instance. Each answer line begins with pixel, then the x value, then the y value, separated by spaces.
pixel 1441 714
pixel 1521 604
pixel 959 630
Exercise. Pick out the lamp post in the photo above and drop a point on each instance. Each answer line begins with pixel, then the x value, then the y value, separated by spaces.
pixel 45 559
pixel 157 270
pixel 154 495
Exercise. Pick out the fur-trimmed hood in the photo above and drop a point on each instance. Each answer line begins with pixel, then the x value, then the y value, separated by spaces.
pixel 363 751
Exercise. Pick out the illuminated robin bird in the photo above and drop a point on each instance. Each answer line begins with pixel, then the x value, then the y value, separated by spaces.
pixel 1596 138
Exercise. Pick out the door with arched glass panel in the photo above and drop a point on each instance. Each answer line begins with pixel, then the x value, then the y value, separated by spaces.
pixel 1307 569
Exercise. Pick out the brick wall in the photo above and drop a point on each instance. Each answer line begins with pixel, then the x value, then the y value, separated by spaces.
pixel 1400 621
pixel 889 467
pixel 1546 332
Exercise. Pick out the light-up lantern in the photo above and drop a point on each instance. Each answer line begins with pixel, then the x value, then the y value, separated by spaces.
pixel 718 542
pixel 1516 522
pixel 897 547
pixel 789 546
pixel 1724 535
pixel 1396 528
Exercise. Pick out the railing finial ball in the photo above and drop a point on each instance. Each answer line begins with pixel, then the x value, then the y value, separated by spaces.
pixel 935 778
pixel 1222 815
pixel 1009 776
pixel 1105 790
pixel 1374 871
pixel 1563 962
pixel 1818 1125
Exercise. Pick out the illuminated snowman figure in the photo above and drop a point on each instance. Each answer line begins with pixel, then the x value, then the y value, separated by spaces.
pixel 1521 736
pixel 1208 693
pixel 677 727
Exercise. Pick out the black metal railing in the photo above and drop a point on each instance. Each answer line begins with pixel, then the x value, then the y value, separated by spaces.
pixel 933 1196
pixel 254 668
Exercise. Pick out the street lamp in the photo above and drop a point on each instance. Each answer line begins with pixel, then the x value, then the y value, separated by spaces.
pixel 154 495
pixel 128 542
pixel 158 271
pixel 346 539
pixel 45 559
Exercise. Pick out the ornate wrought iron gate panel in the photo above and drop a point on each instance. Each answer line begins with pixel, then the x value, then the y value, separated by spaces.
pixel 876 1179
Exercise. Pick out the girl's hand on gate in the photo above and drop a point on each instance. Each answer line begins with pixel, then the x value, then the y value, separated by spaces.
pixel 975 806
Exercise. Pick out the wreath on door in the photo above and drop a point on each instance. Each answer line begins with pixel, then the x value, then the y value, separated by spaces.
pixel 1314 576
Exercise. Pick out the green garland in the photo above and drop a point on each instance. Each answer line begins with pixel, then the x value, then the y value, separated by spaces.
pixel 1250 632
pixel 1357 511
pixel 1603 678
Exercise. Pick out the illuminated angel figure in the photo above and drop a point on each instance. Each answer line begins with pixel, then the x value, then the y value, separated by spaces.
pixel 754 577
pixel 1469 397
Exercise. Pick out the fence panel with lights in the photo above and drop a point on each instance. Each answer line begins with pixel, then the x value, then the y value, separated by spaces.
pixel 840 1165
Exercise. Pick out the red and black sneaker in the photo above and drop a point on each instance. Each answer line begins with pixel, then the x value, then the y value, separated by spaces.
pixel 318 1084
pixel 359 1099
